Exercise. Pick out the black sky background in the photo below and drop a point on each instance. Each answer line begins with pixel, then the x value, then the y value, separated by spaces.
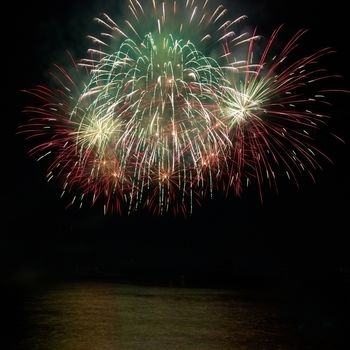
pixel 300 234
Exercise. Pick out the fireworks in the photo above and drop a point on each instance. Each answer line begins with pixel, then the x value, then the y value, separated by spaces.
pixel 163 113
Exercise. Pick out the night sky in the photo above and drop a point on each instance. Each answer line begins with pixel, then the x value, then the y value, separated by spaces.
pixel 297 235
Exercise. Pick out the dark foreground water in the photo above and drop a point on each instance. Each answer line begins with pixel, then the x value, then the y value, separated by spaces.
pixel 106 316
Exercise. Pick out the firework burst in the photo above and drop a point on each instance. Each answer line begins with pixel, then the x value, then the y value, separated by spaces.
pixel 274 111
pixel 163 113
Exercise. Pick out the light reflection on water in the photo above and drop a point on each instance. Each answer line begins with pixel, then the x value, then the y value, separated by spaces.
pixel 86 316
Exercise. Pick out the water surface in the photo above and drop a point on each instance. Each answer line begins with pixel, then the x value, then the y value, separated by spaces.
pixel 106 316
